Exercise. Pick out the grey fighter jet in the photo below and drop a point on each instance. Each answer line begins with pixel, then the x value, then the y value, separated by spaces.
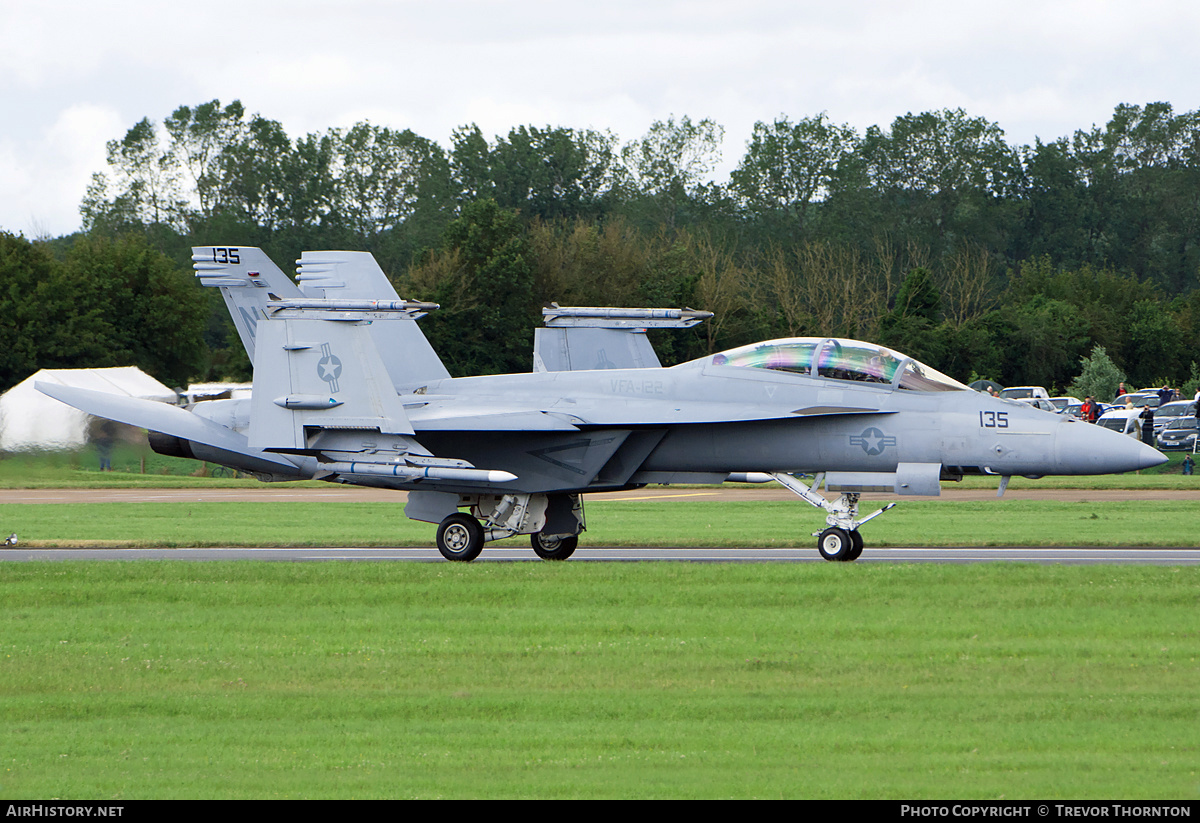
pixel 346 389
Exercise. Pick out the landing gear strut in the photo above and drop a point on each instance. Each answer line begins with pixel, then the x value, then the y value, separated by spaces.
pixel 553 523
pixel 841 540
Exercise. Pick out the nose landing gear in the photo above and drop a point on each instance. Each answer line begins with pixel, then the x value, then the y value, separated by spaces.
pixel 840 540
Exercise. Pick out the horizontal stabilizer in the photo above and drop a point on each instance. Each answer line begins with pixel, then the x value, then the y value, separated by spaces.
pixel 159 417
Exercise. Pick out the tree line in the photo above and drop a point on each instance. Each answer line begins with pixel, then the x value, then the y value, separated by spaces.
pixel 934 235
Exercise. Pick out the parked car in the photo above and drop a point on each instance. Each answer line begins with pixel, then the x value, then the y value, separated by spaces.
pixel 1024 393
pixel 1173 411
pixel 1146 397
pixel 1180 434
pixel 1038 403
pixel 1061 403
pixel 1125 421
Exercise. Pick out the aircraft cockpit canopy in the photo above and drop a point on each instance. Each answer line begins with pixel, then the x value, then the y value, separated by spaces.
pixel 839 359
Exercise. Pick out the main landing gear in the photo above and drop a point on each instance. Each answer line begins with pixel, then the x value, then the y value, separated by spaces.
pixel 553 523
pixel 841 540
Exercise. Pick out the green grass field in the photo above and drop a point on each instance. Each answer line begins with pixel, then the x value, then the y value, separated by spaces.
pixel 610 523
pixel 228 680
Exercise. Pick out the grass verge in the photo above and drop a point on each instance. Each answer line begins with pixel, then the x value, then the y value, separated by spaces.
pixel 233 680
pixel 610 523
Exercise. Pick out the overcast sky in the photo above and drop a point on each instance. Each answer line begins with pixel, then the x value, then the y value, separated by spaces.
pixel 77 73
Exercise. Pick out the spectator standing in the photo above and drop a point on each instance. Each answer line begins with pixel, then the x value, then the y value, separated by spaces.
pixel 1147 416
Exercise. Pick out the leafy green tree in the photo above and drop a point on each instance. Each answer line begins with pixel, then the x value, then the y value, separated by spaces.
pixel 45 325
pixel 912 324
pixel 669 165
pixel 545 173
pixel 151 312
pixel 200 137
pixel 1042 339
pixel 790 166
pixel 552 172
pixel 483 279
pixel 942 175
pixel 147 186
pixel 1061 216
pixel 380 176
pixel 109 303
pixel 1155 349
pixel 1190 386
pixel 1099 378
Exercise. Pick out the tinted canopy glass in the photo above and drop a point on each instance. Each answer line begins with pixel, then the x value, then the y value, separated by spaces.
pixel 838 359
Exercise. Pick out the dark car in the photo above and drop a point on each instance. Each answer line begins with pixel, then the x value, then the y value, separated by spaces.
pixel 1163 415
pixel 1180 434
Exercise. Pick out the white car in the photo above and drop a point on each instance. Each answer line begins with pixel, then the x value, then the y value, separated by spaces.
pixel 1024 393
pixel 1125 421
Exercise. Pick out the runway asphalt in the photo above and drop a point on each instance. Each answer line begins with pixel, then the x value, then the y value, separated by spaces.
pixel 1060 555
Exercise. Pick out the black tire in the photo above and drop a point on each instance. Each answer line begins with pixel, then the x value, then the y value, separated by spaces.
pixel 834 544
pixel 460 538
pixel 554 546
pixel 856 546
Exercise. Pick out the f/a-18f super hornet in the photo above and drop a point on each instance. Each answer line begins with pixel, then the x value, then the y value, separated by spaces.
pixel 348 390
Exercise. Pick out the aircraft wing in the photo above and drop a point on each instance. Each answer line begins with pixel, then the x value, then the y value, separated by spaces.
pixel 159 417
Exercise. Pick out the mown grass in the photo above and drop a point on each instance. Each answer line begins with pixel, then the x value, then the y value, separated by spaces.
pixel 610 523
pixel 227 680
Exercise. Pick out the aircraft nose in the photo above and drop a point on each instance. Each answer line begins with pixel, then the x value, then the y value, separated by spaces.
pixel 1084 448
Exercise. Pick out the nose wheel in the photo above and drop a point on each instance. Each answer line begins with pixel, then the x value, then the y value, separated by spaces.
pixel 840 544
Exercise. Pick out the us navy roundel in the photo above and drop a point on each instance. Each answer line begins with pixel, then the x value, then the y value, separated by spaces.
pixel 329 368
pixel 872 440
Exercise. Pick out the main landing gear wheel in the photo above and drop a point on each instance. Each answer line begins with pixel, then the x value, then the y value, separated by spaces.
pixel 554 546
pixel 460 537
pixel 856 545
pixel 837 544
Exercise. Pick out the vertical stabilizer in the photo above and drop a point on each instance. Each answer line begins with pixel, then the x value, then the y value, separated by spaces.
pixel 247 279
pixel 410 360
pixel 603 337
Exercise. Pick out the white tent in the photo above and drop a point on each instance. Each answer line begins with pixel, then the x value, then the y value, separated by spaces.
pixel 30 420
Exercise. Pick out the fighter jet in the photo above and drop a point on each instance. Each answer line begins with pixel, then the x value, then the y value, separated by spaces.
pixel 347 390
